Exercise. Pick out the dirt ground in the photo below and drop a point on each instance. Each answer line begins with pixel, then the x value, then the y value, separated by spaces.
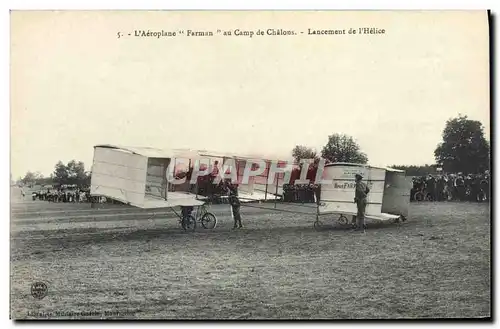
pixel 119 262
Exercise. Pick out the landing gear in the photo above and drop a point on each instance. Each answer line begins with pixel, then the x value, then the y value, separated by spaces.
pixel 400 219
pixel 317 224
pixel 343 220
pixel 188 223
pixel 208 221
pixel 355 226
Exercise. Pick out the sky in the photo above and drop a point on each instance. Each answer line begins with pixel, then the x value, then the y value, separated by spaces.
pixel 75 84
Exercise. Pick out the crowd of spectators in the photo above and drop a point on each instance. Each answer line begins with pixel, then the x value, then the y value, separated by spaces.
pixel 451 187
pixel 303 193
pixel 63 194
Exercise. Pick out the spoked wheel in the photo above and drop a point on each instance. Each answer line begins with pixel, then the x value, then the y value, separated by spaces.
pixel 208 221
pixel 343 220
pixel 318 225
pixel 189 224
pixel 419 196
pixel 400 219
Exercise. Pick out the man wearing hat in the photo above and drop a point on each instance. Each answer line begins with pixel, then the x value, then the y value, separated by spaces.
pixel 361 193
pixel 235 203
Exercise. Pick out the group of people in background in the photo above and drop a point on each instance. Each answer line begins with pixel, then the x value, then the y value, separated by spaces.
pixel 451 187
pixel 62 195
pixel 304 193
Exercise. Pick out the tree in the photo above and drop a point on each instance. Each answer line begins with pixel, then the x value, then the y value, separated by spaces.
pixel 34 178
pixel 300 152
pixel 343 148
pixel 464 148
pixel 29 178
pixel 87 180
pixel 38 176
pixel 61 174
pixel 76 172
pixel 417 170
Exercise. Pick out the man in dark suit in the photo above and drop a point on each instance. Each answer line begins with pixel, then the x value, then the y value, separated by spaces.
pixel 360 198
pixel 235 204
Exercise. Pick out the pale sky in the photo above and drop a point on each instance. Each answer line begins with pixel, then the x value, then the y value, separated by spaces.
pixel 74 84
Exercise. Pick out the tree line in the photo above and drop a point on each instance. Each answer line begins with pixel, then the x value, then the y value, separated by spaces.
pixel 339 148
pixel 463 148
pixel 72 173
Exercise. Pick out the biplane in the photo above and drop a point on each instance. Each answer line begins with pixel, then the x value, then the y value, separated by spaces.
pixel 152 178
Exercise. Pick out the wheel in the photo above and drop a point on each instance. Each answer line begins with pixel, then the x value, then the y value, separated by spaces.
pixel 343 220
pixel 202 210
pixel 317 225
pixel 189 224
pixel 419 196
pixel 208 221
pixel 355 226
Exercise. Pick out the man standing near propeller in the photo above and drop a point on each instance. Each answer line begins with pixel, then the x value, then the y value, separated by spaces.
pixel 235 204
pixel 361 194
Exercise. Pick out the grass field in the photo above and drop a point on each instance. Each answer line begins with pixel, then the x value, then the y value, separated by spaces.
pixel 437 264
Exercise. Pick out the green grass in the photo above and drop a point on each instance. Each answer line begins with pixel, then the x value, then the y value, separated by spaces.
pixel 435 265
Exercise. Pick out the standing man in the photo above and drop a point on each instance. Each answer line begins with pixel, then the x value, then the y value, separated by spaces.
pixel 460 186
pixel 484 184
pixel 440 184
pixel 235 205
pixel 361 193
pixel 452 194
pixel 431 187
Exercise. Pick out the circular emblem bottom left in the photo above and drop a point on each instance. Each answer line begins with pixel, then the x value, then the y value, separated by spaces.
pixel 39 290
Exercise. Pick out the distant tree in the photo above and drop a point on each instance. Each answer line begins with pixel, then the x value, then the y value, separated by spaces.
pixel 343 148
pixel 29 178
pixel 76 172
pixel 61 174
pixel 87 180
pixel 45 181
pixel 300 152
pixel 464 148
pixel 417 170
